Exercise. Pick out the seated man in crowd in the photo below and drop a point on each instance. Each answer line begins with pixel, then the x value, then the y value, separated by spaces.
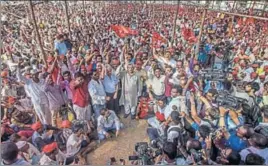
pixel 78 144
pixel 27 151
pixel 108 121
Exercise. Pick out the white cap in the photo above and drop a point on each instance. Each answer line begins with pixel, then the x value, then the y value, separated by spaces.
pixel 21 144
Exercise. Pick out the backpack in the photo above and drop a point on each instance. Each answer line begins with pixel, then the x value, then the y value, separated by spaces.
pixel 252 116
pixel 262 129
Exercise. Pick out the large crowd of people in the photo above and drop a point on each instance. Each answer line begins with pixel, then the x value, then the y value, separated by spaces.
pixel 208 100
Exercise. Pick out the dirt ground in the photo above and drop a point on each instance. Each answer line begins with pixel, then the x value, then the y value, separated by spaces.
pixel 121 147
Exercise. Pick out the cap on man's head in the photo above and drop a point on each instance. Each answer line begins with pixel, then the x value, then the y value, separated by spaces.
pixel 66 124
pixel 50 147
pixel 262 76
pixel 36 126
pixel 138 63
pixel 34 71
pixel 11 100
pixel 75 61
pixel 255 65
pixel 50 58
pixel 21 144
pixel 4 74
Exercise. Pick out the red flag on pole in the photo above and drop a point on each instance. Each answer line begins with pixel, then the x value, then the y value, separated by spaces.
pixel 122 31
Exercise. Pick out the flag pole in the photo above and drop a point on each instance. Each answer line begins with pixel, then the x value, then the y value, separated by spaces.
pixel 37 32
pixel 175 23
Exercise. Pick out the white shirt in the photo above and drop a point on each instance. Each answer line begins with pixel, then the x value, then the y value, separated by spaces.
pixel 158 85
pixel 261 152
pixel 45 160
pixel 179 102
pixel 35 90
pixel 97 92
pixel 73 144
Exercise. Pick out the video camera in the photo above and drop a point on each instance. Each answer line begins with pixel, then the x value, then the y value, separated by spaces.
pixel 229 101
pixel 197 155
pixel 213 75
pixel 145 154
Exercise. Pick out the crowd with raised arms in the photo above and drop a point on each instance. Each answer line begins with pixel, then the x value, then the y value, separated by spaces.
pixel 207 101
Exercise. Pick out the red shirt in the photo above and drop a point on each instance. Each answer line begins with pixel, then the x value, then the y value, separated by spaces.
pixel 168 87
pixel 144 108
pixel 54 73
pixel 80 94
pixel 160 116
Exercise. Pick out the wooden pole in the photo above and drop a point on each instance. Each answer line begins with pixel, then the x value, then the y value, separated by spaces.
pixel 252 8
pixel 264 7
pixel 201 31
pixel 84 8
pixel 175 23
pixel 37 32
pixel 67 18
pixel 233 6
pixel 232 21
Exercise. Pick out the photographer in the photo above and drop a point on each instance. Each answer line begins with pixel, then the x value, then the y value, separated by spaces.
pixel 172 130
pixel 169 155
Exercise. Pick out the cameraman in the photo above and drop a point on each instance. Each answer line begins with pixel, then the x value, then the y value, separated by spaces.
pixel 169 154
pixel 172 129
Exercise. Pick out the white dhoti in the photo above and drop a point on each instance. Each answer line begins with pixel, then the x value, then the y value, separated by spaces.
pixel 43 113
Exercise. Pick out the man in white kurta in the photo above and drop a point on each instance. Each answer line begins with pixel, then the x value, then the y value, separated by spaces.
pixel 130 90
pixel 35 88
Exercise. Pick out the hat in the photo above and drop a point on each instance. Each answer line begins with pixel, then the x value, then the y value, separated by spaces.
pixel 5 81
pixel 236 59
pixel 62 57
pixel 75 61
pixel 34 71
pixel 21 144
pixel 50 147
pixel 83 67
pixel 234 73
pixel 50 59
pixel 243 64
pixel 11 100
pixel 115 61
pixel 4 74
pixel 36 126
pixel 66 124
pixel 262 76
pixel 253 75
pixel 255 65
pixel 138 63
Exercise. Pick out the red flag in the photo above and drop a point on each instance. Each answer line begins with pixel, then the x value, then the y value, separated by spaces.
pixel 250 21
pixel 181 10
pixel 157 40
pixel 122 31
pixel 131 31
pixel 188 35
pixel 118 31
